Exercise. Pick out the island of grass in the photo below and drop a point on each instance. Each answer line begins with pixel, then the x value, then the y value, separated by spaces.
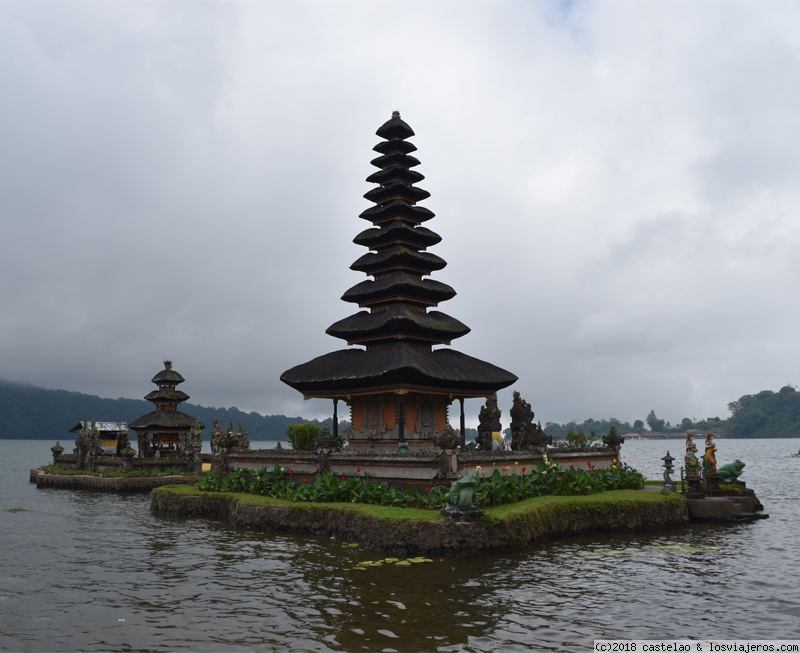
pixel 414 531
pixel 142 480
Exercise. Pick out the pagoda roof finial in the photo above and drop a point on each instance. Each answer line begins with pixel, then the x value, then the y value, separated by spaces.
pixel 167 364
pixel 395 114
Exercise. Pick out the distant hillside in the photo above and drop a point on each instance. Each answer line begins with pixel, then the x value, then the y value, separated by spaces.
pixel 31 413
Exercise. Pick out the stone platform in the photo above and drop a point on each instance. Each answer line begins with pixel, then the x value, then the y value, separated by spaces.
pixel 423 532
pixel 87 482
pixel 408 470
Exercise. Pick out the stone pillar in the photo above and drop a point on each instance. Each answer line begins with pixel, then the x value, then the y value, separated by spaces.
pixel 127 457
pixel 57 451
pixel 463 424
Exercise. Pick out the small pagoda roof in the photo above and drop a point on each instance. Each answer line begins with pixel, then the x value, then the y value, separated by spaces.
pixel 400 284
pixel 397 232
pixel 395 127
pixel 400 366
pixel 103 427
pixel 396 210
pixel 168 376
pixel 401 321
pixel 395 145
pixel 396 190
pixel 164 420
pixel 395 158
pixel 395 173
pixel 167 395
pixel 398 257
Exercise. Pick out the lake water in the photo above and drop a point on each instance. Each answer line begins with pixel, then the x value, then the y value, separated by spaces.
pixel 86 571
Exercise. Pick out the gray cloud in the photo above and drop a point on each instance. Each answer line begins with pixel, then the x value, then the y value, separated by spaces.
pixel 613 183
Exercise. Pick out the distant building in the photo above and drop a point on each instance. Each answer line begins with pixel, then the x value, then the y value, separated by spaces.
pixel 159 433
pixel 109 432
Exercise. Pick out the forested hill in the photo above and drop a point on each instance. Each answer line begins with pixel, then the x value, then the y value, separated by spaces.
pixel 767 414
pixel 31 413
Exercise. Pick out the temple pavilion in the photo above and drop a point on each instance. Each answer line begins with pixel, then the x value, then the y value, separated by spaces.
pixel 397 386
pixel 159 433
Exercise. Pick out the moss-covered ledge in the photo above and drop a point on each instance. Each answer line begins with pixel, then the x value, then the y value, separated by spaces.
pixel 412 531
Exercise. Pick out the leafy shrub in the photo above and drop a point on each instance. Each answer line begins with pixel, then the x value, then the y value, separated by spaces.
pixel 303 436
pixel 577 440
pixel 502 486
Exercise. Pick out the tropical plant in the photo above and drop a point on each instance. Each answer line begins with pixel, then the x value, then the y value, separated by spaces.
pixel 303 436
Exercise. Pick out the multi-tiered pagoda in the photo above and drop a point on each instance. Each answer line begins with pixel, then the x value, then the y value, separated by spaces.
pixel 398 387
pixel 159 433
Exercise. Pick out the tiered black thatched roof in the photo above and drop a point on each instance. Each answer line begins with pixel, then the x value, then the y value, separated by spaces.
pixel 398 331
pixel 166 417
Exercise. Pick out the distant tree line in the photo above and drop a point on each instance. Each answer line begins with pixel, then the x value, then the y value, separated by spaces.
pixel 766 415
pixel 31 413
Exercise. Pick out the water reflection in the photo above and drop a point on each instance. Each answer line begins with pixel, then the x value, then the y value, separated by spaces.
pixel 80 562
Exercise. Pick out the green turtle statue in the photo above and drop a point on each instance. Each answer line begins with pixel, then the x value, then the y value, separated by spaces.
pixel 731 471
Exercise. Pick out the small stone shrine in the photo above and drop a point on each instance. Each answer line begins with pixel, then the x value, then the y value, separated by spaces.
pixel 525 435
pixel 161 433
pixel 398 388
pixel 112 436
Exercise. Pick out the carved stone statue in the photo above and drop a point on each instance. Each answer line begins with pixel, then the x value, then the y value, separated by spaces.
pixel 488 423
pixel 613 440
pixel 710 458
pixel 122 440
pixel 521 419
pixel 82 445
pixel 690 462
pixel 216 436
pixel 244 441
pixel 448 439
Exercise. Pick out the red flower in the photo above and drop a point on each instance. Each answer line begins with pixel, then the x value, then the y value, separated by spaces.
pixel 427 489
pixel 523 469
pixel 291 471
pixel 572 467
pixel 342 477
pixel 305 480
pixel 358 469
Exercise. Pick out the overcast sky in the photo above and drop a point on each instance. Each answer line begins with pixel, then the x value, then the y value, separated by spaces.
pixel 616 186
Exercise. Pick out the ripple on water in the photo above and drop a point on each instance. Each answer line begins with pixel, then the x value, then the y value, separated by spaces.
pixel 79 562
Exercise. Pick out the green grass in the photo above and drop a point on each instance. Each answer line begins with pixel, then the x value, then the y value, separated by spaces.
pixel 380 512
pixel 16 510
pixel 511 510
pixel 601 501
pixel 145 473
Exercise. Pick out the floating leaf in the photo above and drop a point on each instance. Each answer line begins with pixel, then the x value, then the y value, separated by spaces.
pixel 392 560
pixel 403 563
pixel 360 568
pixel 17 510
pixel 419 560
pixel 349 546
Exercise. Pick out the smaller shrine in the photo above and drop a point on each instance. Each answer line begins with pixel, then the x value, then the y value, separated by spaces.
pixel 164 432
pixel 113 436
